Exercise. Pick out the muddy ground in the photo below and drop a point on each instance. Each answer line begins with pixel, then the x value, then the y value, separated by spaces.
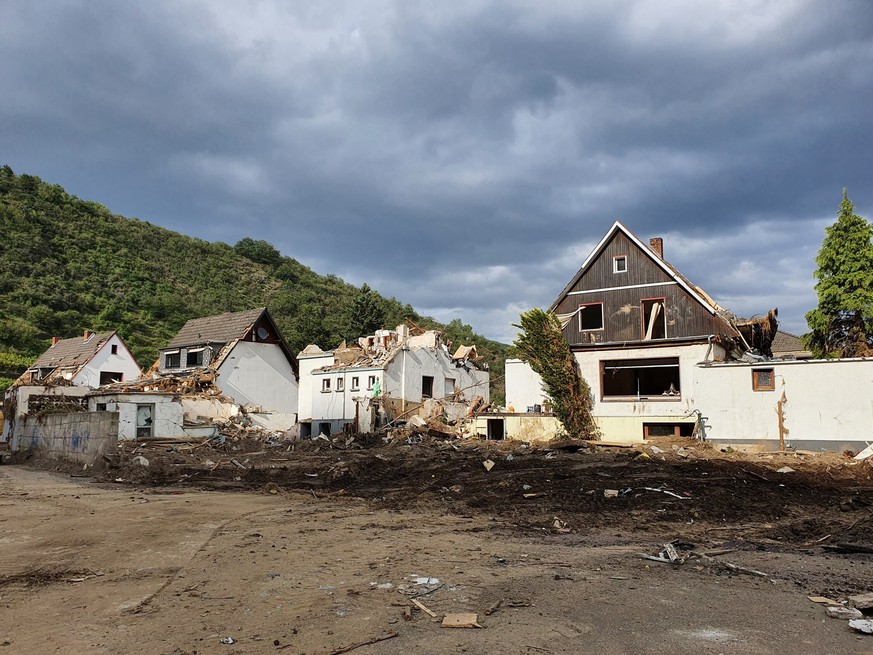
pixel 318 546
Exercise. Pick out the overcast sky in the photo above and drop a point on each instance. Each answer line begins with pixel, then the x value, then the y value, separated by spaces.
pixel 463 157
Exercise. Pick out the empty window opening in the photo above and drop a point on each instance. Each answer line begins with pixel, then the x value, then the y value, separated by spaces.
pixel 340 384
pixel 641 378
pixel 194 357
pixel 114 349
pixel 496 430
pixel 619 264
pixel 324 428
pixel 763 379
pixel 144 422
pixel 101 407
pixel 371 381
pixel 356 384
pixel 108 377
pixel 172 360
pixel 654 319
pixel 427 386
pixel 325 385
pixel 306 430
pixel 591 316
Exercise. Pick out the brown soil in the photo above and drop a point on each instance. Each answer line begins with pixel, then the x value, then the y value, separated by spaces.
pixel 309 548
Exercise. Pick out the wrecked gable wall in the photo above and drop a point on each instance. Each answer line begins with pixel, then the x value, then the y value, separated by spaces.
pixel 828 403
pixel 259 374
pixel 104 361
pixel 404 376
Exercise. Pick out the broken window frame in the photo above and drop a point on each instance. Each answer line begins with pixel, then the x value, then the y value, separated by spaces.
pixel 619 264
pixel 325 385
pixel 645 385
pixel 581 312
pixel 340 384
pixel 116 376
pixel 356 383
pixel 449 386
pixel 145 425
pixel 761 385
pixel 371 382
pixel 662 300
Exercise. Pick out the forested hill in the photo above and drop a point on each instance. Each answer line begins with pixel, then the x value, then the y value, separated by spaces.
pixel 67 265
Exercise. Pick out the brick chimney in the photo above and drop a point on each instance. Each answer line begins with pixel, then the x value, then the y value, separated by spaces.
pixel 657 244
pixel 55 340
pixel 87 335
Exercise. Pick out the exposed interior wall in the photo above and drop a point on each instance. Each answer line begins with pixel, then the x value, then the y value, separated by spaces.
pixel 405 373
pixel 520 427
pixel 23 394
pixel 167 413
pixel 195 407
pixel 828 403
pixel 121 362
pixel 307 386
pixel 259 374
pixel 82 436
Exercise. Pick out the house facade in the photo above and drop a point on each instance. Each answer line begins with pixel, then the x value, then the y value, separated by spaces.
pixel 245 351
pixel 391 374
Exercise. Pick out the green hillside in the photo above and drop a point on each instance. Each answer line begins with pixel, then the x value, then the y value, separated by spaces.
pixel 67 265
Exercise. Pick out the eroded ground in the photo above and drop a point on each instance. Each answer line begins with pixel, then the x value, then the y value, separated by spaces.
pixel 314 550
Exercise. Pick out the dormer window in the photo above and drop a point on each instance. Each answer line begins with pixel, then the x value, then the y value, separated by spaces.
pixel 619 264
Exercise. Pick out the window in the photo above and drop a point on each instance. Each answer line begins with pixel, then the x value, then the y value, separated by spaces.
pixel 144 423
pixel 340 384
pixel 194 357
pixel 591 316
pixel 108 377
pixel 427 386
pixel 172 360
pixel 371 381
pixel 450 387
pixel 652 379
pixel 355 383
pixel 325 385
pixel 619 264
pixel 101 407
pixel 763 379
pixel 114 349
pixel 654 318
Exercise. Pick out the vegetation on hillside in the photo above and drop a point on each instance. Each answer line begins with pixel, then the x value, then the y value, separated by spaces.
pixel 842 324
pixel 67 265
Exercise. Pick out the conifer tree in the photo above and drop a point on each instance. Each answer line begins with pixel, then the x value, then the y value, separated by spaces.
pixel 842 324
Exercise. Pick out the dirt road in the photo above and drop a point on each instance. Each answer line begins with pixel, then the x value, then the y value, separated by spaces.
pixel 97 568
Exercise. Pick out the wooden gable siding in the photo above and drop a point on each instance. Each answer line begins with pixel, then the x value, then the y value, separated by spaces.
pixel 622 311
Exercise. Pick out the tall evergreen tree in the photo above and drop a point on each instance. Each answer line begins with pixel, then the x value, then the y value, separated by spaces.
pixel 842 324
pixel 365 315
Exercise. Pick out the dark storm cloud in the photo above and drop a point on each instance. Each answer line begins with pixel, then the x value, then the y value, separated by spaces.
pixel 462 157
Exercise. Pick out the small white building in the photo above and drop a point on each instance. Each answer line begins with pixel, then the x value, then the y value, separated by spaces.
pixel 252 364
pixel 143 415
pixel 387 375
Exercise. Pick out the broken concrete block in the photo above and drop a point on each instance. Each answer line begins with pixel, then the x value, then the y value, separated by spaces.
pixel 862 625
pixel 862 601
pixel 785 469
pixel 844 613
pixel 139 459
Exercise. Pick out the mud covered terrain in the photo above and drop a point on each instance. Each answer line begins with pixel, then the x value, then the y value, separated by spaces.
pixel 318 547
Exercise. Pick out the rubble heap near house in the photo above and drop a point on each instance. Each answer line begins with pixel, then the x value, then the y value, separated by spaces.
pixel 386 378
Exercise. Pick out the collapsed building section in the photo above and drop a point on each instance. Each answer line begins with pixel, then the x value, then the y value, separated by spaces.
pixel 389 376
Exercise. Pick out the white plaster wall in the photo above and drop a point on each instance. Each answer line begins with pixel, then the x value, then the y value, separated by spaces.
pixel 259 374
pixel 306 365
pixel 689 356
pixel 404 373
pixel 336 405
pixel 829 403
pixel 524 387
pixel 195 407
pixel 104 360
pixel 167 417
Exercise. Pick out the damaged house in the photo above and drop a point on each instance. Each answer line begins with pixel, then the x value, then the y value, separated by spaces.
pixel 242 354
pixel 389 375
pixel 657 352
pixel 66 372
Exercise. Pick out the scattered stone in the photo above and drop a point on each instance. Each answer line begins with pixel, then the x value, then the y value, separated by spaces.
pixel 844 613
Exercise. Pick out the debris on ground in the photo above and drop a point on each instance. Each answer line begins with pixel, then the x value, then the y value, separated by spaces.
pixel 844 613
pixel 862 625
pixel 461 620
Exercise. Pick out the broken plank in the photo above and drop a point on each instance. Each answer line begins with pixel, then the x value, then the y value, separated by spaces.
pixel 374 640
pixel 423 608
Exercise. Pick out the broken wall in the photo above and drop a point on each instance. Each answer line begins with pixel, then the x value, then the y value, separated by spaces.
pixel 81 437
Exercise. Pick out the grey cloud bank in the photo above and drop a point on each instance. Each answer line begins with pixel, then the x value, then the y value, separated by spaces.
pixel 461 156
